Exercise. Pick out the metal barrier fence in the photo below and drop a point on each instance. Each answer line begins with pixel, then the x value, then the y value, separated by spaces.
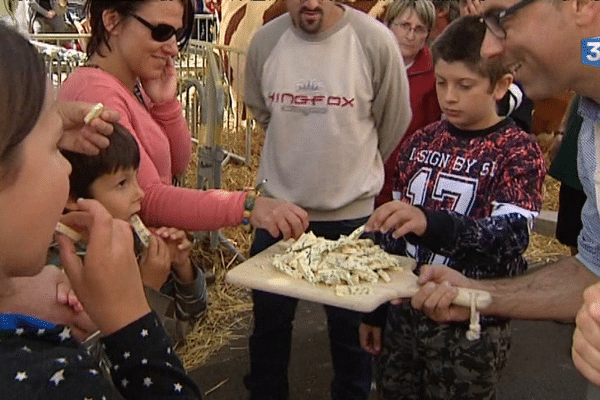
pixel 206 28
pixel 60 61
pixel 222 67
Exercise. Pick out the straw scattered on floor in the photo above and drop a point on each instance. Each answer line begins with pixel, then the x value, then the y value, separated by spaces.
pixel 229 308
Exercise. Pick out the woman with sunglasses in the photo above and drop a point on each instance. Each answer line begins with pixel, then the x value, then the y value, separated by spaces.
pixel 40 359
pixel 130 69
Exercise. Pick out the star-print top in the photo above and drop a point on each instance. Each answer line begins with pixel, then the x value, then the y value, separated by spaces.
pixel 41 360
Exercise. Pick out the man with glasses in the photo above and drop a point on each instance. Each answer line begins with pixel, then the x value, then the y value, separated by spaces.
pixel 328 85
pixel 541 41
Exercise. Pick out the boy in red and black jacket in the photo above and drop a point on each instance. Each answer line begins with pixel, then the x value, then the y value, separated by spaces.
pixel 467 189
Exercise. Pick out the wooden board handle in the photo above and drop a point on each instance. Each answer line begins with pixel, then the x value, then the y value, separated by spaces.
pixel 482 298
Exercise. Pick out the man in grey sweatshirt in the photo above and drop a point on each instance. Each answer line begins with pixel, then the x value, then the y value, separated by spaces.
pixel 329 86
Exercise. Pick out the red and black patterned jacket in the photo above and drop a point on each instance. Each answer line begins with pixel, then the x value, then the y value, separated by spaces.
pixel 480 191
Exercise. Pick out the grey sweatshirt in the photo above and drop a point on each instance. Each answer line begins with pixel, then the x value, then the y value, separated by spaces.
pixel 334 105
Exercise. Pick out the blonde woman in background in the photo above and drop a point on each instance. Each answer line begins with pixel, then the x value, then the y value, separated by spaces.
pixel 411 22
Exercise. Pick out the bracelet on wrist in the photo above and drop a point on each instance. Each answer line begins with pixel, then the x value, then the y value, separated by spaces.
pixel 250 203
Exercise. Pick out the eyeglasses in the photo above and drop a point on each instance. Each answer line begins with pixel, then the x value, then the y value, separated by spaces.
pixel 406 28
pixel 494 18
pixel 161 32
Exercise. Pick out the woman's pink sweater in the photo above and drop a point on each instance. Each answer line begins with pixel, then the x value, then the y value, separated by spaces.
pixel 165 148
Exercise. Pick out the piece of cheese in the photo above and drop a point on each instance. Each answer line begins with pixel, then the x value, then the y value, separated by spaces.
pixel 140 229
pixel 94 113
pixel 344 264
pixel 67 231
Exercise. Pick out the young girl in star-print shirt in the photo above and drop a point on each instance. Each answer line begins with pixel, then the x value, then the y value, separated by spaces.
pixel 40 358
pixel 466 189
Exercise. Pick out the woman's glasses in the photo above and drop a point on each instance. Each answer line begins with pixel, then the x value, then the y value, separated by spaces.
pixel 406 28
pixel 161 32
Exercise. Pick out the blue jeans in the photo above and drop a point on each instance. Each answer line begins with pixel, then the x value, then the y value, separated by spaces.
pixel 271 340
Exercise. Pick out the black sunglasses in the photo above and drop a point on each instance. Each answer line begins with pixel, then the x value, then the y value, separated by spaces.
pixel 161 32
pixel 494 18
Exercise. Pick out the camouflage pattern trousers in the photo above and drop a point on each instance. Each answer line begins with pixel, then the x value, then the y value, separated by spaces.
pixel 424 360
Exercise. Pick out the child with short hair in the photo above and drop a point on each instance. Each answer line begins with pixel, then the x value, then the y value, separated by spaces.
pixel 467 190
pixel 174 286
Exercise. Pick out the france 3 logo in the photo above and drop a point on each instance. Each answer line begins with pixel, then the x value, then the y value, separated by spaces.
pixel 590 51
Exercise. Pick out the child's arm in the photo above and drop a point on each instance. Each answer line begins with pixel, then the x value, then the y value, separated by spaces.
pixel 398 217
pixel 514 201
pixel 191 298
pixel 179 247
pixel 48 296
pixel 189 280
pixel 497 239
pixel 371 330
pixel 155 263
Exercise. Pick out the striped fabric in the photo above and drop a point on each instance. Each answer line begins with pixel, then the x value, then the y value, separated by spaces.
pixel 589 238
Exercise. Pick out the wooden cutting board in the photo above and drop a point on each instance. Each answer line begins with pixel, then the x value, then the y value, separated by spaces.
pixel 258 273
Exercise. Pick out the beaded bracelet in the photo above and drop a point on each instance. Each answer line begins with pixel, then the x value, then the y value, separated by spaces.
pixel 250 203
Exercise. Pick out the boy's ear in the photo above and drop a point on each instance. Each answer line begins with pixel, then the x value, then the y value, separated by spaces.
pixel 71 204
pixel 502 86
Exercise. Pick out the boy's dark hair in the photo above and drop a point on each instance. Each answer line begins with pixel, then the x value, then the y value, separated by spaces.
pixel 122 153
pixel 461 41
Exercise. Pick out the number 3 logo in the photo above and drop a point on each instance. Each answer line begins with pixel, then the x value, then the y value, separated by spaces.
pixel 594 50
pixel 590 51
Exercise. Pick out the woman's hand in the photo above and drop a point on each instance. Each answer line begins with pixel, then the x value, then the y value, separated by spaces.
pixel 155 264
pixel 108 281
pixel 163 88
pixel 279 217
pixel 401 217
pixel 78 136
